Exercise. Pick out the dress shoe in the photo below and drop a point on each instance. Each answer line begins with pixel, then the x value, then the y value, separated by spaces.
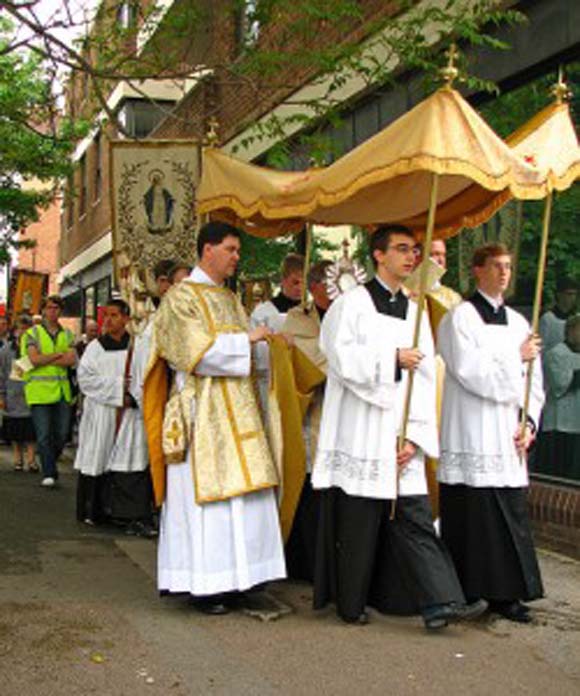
pixel 467 612
pixel 214 605
pixel 361 620
pixel 438 616
pixel 512 611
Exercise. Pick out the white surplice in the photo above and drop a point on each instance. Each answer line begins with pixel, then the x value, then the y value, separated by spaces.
pixel 482 398
pixel 267 314
pixel 363 404
pixel 226 545
pixel 101 376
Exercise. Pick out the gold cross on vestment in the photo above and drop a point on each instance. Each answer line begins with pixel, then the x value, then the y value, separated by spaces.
pixel 174 433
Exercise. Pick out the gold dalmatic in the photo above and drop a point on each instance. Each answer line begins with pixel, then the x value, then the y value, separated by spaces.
pixel 216 417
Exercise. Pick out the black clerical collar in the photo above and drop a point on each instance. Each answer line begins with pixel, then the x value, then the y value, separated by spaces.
pixel 385 302
pixel 488 313
pixel 109 343
pixel 284 304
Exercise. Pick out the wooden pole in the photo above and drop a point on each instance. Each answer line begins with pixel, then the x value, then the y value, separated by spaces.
pixel 307 255
pixel 537 307
pixel 418 317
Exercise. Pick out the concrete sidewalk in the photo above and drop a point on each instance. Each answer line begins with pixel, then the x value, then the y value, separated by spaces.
pixel 79 614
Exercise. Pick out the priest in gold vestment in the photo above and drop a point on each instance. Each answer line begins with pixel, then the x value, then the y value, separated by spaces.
pixel 212 469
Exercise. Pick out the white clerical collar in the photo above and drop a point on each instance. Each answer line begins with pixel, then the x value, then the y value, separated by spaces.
pixel 393 292
pixel 200 276
pixel 493 301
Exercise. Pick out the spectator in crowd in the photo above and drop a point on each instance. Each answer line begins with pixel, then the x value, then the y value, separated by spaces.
pixel 50 349
pixel 18 427
pixel 559 445
pixel 4 331
pixel 553 321
pixel 91 332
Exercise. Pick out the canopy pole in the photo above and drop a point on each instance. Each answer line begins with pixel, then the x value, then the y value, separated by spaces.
pixel 536 310
pixel 307 255
pixel 418 317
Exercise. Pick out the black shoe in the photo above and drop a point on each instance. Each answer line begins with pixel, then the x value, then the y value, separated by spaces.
pixel 467 612
pixel 512 611
pixel 214 605
pixel 141 529
pixel 361 620
pixel 438 616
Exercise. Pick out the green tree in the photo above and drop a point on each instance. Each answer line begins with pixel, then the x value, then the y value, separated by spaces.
pixel 33 148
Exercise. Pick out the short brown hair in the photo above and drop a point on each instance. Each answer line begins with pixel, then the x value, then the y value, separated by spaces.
pixel 317 273
pixel 293 263
pixel 488 251
pixel 55 299
pixel 381 238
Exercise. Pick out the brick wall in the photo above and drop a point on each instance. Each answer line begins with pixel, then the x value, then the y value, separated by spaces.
pixel 555 513
pixel 44 257
pixel 240 102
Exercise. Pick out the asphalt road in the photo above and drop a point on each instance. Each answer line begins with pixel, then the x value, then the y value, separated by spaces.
pixel 79 614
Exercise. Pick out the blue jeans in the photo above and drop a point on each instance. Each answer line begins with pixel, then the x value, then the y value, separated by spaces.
pixel 51 425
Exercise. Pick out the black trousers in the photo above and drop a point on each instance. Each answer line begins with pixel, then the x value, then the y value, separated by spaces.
pixel 364 558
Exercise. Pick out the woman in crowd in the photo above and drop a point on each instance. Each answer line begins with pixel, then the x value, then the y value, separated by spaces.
pixel 18 427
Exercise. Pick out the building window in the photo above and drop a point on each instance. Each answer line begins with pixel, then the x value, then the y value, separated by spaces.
pixel 83 185
pixel 127 12
pixel 247 24
pixel 140 117
pixel 70 202
pixel 98 172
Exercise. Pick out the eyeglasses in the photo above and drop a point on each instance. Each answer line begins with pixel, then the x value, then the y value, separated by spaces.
pixel 404 249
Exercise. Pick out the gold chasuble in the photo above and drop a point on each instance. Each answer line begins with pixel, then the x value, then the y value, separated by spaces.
pixel 439 302
pixel 217 417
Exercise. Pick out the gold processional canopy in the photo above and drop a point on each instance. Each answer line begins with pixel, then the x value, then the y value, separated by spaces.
pixel 388 178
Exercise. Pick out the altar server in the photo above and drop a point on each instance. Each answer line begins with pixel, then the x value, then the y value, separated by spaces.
pixel 112 460
pixel 366 336
pixel 483 474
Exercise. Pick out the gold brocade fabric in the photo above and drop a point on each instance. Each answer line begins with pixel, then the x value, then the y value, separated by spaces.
pixel 439 302
pixel 217 417
pixel 293 379
pixel 388 178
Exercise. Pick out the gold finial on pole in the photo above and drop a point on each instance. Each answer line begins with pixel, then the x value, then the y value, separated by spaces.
pixel 450 72
pixel 211 137
pixel 560 90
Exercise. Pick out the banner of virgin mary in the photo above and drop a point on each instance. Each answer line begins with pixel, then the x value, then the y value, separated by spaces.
pixel 153 187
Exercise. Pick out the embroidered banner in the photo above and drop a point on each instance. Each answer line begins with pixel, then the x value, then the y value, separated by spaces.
pixel 153 189
pixel 28 288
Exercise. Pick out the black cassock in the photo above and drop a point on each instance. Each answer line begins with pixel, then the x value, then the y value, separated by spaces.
pixel 364 558
pixel 487 530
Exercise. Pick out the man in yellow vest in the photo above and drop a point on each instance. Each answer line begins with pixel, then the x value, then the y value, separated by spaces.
pixel 50 349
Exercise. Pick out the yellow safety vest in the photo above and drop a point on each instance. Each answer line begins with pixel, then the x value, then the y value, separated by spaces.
pixel 47 384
